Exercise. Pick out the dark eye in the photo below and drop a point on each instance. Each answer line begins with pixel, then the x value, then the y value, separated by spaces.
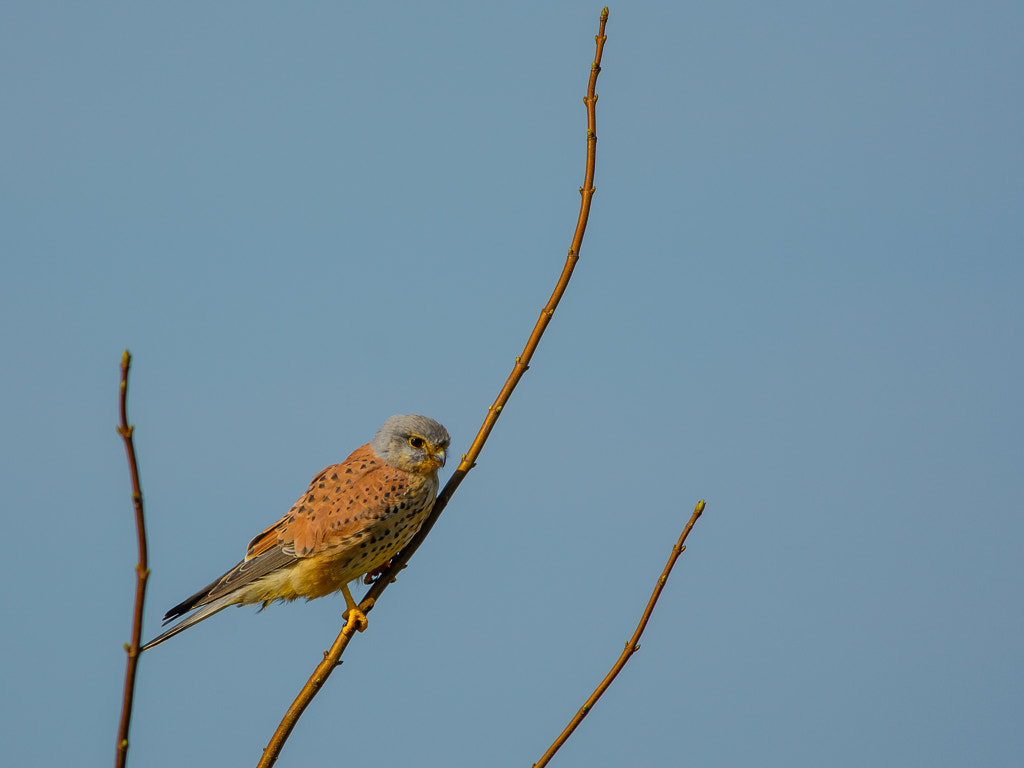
pixel 417 442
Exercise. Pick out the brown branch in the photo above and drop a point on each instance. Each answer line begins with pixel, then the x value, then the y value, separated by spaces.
pixel 141 570
pixel 631 647
pixel 331 657
pixel 317 679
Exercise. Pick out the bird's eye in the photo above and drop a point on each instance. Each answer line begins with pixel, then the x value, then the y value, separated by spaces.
pixel 417 442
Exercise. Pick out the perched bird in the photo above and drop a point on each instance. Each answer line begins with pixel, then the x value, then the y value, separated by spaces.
pixel 353 519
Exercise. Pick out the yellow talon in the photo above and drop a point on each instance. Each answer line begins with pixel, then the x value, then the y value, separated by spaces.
pixel 355 612
pixel 355 615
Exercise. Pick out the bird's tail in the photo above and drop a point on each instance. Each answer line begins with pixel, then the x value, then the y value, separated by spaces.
pixel 203 613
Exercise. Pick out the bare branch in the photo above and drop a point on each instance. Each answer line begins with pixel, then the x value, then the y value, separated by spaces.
pixel 632 646
pixel 522 364
pixel 141 570
pixel 317 679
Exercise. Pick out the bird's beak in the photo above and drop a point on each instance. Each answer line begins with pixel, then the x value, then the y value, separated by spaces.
pixel 440 455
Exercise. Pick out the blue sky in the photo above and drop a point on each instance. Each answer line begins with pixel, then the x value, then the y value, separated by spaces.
pixel 799 298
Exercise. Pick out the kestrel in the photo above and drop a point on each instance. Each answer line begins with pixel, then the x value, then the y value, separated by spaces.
pixel 353 519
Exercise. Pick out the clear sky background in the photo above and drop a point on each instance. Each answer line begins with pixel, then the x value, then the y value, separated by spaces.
pixel 801 298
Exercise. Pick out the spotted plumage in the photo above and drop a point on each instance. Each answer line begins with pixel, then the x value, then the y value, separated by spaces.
pixel 353 518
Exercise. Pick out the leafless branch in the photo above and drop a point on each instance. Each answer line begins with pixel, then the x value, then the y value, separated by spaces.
pixel 522 364
pixel 141 570
pixel 632 645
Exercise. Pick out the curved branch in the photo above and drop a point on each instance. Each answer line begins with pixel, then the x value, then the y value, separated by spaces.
pixel 632 646
pixel 331 657
pixel 141 570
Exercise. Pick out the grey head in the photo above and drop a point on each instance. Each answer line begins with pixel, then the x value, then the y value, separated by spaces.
pixel 414 443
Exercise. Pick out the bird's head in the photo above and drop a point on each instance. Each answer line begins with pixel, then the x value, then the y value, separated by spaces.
pixel 413 443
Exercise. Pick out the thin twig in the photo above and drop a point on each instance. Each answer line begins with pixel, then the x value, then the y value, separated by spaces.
pixel 632 646
pixel 317 679
pixel 141 570
pixel 522 364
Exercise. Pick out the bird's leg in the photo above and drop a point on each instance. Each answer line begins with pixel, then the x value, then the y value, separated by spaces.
pixel 354 611
pixel 377 572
